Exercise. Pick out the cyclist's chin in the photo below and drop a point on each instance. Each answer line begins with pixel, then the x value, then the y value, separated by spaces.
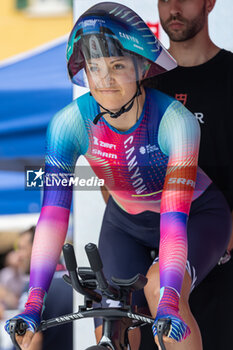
pixel 113 102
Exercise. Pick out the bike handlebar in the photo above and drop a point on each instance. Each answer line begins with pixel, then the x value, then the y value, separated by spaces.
pixel 94 257
pixel 163 327
pixel 19 326
pixel 97 266
pixel 73 279
pixel 69 256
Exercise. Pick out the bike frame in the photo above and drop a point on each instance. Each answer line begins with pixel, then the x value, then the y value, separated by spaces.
pixel 113 320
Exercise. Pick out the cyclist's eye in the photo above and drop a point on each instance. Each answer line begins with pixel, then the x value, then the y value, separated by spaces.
pixel 118 66
pixel 93 69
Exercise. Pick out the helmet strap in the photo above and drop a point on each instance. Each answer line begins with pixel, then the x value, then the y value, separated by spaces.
pixel 123 109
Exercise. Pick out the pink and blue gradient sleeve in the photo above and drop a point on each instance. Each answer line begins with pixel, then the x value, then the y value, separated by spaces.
pixel 49 239
pixel 179 137
pixel 65 134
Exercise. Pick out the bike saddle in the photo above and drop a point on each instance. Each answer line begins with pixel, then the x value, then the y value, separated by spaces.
pixel 135 283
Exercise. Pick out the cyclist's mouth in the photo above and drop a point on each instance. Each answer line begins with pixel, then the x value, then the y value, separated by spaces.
pixel 108 91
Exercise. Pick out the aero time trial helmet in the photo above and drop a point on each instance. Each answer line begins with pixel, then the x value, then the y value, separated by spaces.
pixel 111 29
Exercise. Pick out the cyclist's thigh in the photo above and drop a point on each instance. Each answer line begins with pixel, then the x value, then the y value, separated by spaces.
pixel 123 256
pixel 123 253
pixel 209 228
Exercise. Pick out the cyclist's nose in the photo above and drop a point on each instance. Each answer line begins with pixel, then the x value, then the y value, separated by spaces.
pixel 108 79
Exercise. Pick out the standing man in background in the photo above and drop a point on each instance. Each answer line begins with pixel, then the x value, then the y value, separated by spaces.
pixel 203 82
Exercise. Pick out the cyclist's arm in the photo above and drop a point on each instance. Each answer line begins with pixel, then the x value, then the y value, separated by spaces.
pixel 179 137
pixel 66 139
pixel 63 146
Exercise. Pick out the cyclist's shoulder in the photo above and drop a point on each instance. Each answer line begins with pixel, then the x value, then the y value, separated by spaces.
pixel 172 110
pixel 158 96
pixel 159 100
pixel 79 104
pixel 177 108
pixel 178 123
pixel 73 113
pixel 87 105
pixel 65 115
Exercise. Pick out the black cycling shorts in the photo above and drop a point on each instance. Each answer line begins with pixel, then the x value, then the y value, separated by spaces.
pixel 126 241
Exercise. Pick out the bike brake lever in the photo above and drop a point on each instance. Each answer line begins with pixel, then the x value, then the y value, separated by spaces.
pixel 163 327
pixel 17 326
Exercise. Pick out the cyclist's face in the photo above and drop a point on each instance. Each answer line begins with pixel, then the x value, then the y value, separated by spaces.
pixel 112 80
pixel 183 19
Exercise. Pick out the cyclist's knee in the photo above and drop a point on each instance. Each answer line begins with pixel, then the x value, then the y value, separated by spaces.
pixel 184 296
pixel 152 288
pixel 186 288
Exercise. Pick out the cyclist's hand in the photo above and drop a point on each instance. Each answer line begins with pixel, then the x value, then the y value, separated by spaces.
pixel 31 315
pixel 25 340
pixel 168 308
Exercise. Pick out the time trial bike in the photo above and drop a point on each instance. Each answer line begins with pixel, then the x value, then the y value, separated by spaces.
pixel 92 284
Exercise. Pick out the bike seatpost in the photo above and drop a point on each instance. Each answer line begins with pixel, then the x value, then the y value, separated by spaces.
pixel 97 266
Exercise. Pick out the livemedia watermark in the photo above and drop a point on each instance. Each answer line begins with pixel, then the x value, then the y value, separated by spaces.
pixel 37 179
pixel 133 178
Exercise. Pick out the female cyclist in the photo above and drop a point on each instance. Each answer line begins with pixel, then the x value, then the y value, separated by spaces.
pixel 144 144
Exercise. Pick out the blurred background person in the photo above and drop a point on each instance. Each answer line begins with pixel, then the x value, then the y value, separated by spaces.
pixel 14 279
pixel 11 282
pixel 16 271
pixel 24 249
pixel 14 276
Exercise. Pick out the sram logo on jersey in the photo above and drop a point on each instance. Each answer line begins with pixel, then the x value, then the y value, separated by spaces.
pixel 98 152
pixel 181 180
